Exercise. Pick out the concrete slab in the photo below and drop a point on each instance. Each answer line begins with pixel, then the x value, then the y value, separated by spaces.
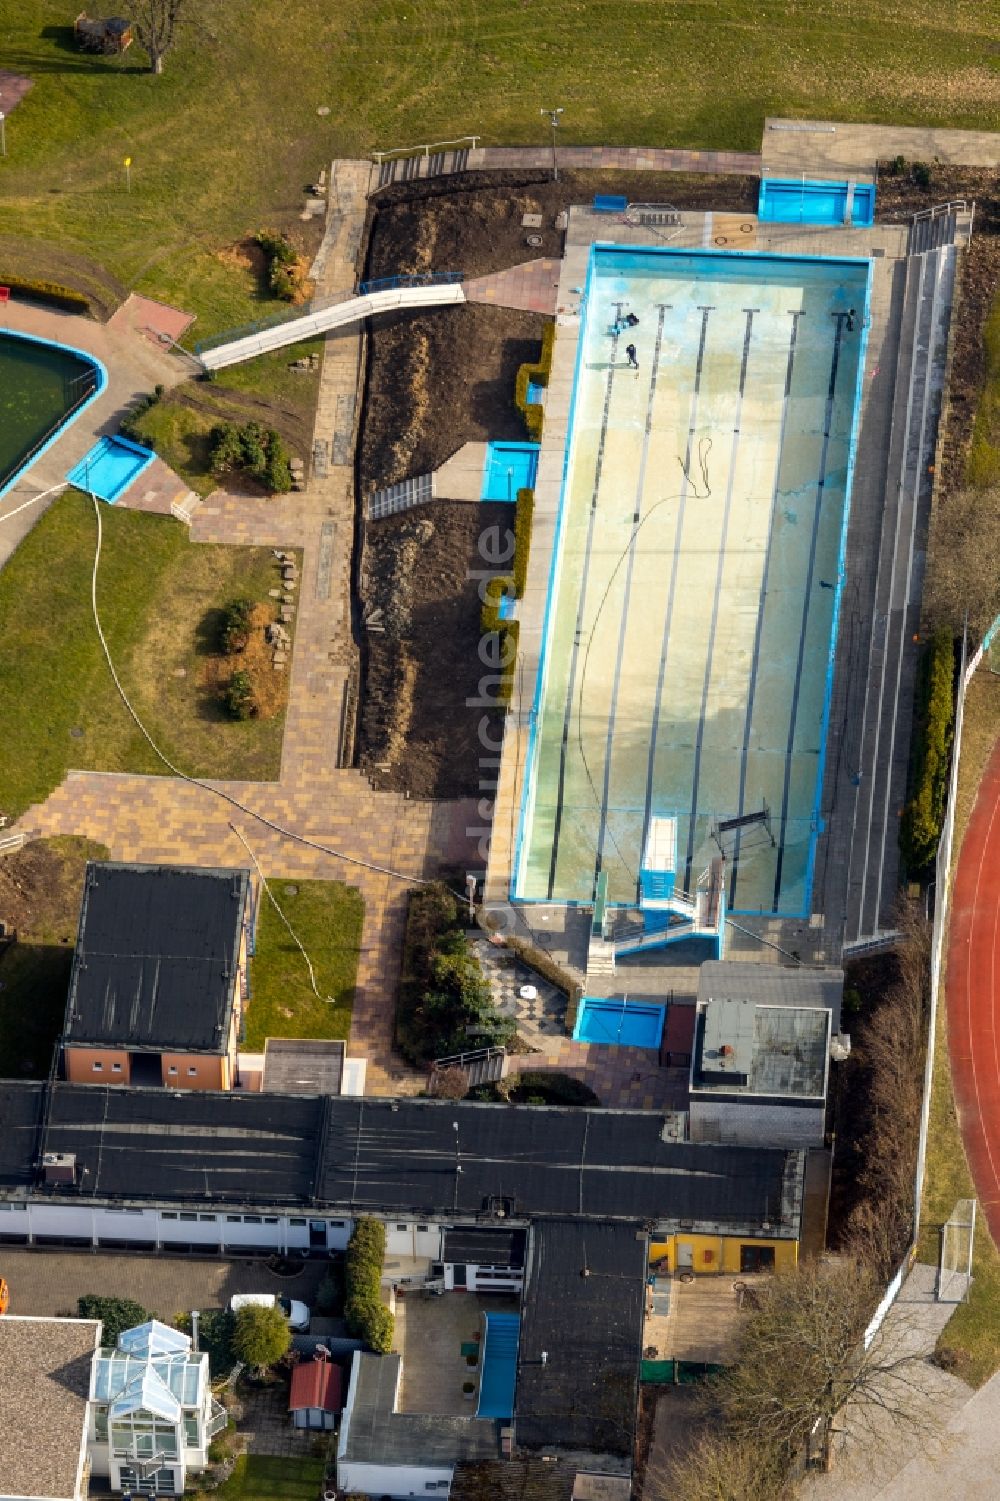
pixel 461 476
pixel 824 148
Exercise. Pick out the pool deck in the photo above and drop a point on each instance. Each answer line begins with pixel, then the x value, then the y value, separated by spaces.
pixel 134 366
pixel 825 148
pixel 819 936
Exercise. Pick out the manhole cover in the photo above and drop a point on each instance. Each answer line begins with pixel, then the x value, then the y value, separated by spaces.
pixel 533 240
pixel 76 732
pixel 291 891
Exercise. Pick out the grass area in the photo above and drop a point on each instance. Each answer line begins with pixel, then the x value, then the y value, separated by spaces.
pixel 261 1477
pixel 226 140
pixel 269 378
pixel 326 917
pixel 41 887
pixel 972 1336
pixel 157 596
pixel 983 464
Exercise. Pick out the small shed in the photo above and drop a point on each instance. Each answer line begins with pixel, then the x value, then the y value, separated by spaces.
pixel 315 1396
pixel 111 35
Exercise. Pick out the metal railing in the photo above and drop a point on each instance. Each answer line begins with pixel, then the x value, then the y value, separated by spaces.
pixel 396 153
pixel 954 206
pixel 420 279
pixel 50 432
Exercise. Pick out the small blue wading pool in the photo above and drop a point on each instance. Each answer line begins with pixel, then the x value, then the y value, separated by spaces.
pixel 110 467
pixel 630 1024
pixel 509 467
pixel 796 200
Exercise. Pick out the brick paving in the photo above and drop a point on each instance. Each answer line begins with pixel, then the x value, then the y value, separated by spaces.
pixel 532 287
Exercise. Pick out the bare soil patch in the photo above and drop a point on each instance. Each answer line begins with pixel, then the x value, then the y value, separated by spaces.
pixel 270 688
pixel 41 887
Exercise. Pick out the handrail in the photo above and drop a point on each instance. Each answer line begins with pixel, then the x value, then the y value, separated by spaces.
pixel 417 279
pixel 396 152
pixel 942 208
pixel 81 401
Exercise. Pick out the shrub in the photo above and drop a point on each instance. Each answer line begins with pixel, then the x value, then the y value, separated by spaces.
pixel 234 630
pixel 258 451
pixel 239 697
pixel 261 1336
pixel 549 1089
pixel 921 174
pixel 538 372
pixel 924 814
pixel 116 1314
pixel 129 425
pixel 282 264
pixel 367 1316
pixel 215 1337
pixel 523 517
pixel 52 293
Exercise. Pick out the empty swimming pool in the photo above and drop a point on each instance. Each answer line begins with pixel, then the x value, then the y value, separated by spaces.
pixel 697 568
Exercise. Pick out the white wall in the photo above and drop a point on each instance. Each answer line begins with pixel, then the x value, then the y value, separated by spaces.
pixel 412 1238
pixel 755 1125
pixel 209 1227
pixel 393 1480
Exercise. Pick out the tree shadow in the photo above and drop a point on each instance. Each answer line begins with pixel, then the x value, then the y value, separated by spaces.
pixel 208 632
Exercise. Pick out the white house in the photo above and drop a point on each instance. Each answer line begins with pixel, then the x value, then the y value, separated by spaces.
pixel 152 1415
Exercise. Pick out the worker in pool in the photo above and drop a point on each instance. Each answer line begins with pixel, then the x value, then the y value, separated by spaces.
pixel 632 357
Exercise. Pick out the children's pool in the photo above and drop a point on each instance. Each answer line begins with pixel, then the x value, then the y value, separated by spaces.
pixel 797 200
pixel 697 569
pixel 43 387
pixel 110 467
pixel 509 467
pixel 632 1024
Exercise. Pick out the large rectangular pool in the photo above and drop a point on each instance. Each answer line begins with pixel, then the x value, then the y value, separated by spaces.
pixel 697 569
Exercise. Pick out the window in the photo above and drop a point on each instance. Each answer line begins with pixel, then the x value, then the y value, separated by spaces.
pixel 234 1219
pixel 251 1219
pixel 184 1215
pixel 192 1071
pixel 756 1258
pixel 116 1068
pixel 168 1214
pixel 101 1425
pixel 422 1229
pixel 296 1221
pixel 97 1067
pixel 338 1224
pixel 209 1218
pixel 402 1227
pixel 172 1069
pixel 270 1219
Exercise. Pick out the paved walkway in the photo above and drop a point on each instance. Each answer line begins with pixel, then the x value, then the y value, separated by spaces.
pixel 532 287
pixel 615 158
pixel 972 988
pixel 827 148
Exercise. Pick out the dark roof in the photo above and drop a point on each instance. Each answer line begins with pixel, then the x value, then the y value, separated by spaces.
pixel 519 1479
pixel 20 1121
pixel 485 1247
pixel 295 1065
pixel 378 1435
pixel 538 1160
pixel 401 1158
pixel 582 1306
pixel 156 957
pixel 186 1144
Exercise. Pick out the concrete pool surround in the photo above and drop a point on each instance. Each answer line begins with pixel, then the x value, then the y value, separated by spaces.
pixel 746 367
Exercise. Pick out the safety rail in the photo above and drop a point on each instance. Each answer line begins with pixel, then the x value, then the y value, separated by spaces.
pixel 71 411
pixel 419 279
pixel 273 320
pixel 397 153
pixel 953 206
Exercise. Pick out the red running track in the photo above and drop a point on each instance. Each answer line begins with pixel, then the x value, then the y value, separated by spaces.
pixel 973 993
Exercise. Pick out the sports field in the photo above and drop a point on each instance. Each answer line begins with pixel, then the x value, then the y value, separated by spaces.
pixel 693 603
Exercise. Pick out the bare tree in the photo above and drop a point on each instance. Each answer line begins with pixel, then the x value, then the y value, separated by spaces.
pixel 156 23
pixel 962 572
pixel 716 1467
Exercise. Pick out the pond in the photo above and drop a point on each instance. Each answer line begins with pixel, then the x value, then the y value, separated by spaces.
pixel 43 386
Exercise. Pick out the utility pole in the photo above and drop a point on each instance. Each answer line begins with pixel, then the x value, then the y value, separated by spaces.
pixel 553 115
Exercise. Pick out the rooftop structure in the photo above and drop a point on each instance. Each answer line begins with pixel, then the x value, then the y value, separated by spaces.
pixel 295 1065
pixel 44 1380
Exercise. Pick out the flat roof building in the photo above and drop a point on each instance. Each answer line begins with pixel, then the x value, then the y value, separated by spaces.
pixel 45 1367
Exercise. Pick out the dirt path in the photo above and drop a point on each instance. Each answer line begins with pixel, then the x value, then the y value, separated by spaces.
pixel 973 993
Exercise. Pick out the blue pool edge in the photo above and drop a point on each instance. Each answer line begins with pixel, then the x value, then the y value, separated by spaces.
pixel 64 426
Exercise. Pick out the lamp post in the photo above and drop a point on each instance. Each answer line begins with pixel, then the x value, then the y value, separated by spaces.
pixel 553 115
pixel 3 133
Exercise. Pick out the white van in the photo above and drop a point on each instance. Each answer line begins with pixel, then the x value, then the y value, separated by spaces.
pixel 297 1314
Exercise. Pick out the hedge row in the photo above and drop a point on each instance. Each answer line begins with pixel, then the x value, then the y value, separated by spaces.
pixel 52 293
pixel 924 814
pixel 512 585
pixel 538 372
pixel 367 1316
pixel 544 964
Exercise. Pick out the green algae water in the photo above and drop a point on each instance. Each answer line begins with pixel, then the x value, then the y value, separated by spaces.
pixel 41 386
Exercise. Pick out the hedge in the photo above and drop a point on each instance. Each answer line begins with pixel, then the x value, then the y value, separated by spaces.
pixel 51 293
pixel 924 814
pixel 512 585
pixel 282 263
pixel 523 517
pixel 531 411
pixel 367 1316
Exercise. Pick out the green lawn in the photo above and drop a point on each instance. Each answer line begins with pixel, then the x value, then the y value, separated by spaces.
pixel 326 916
pixel 228 137
pixel 983 467
pixel 973 1333
pixel 34 972
pixel 158 595
pixel 259 1477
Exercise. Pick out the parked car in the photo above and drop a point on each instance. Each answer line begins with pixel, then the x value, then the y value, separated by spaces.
pixel 297 1314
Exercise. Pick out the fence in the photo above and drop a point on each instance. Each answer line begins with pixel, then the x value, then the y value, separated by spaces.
pixel 424 279
pixel 396 152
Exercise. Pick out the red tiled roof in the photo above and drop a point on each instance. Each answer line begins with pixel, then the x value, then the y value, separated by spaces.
pixel 315 1383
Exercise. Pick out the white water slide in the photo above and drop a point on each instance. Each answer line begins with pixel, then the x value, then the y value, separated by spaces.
pixel 337 315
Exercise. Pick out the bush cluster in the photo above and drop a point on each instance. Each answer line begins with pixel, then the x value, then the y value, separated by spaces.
pixel 259 451
pixel 239 697
pixel 52 293
pixel 538 373
pixel 924 814
pixel 445 1003
pixel 282 263
pixel 234 628
pixel 116 1315
pixel 367 1316
pixel 129 425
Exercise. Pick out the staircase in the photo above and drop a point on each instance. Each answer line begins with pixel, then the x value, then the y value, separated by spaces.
pixel 427 163
pixel 944 224
pixel 402 497
pixel 918 392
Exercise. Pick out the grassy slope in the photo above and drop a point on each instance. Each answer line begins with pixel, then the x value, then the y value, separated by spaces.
pixel 53 677
pixel 973 1332
pixel 230 134
pixel 326 917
